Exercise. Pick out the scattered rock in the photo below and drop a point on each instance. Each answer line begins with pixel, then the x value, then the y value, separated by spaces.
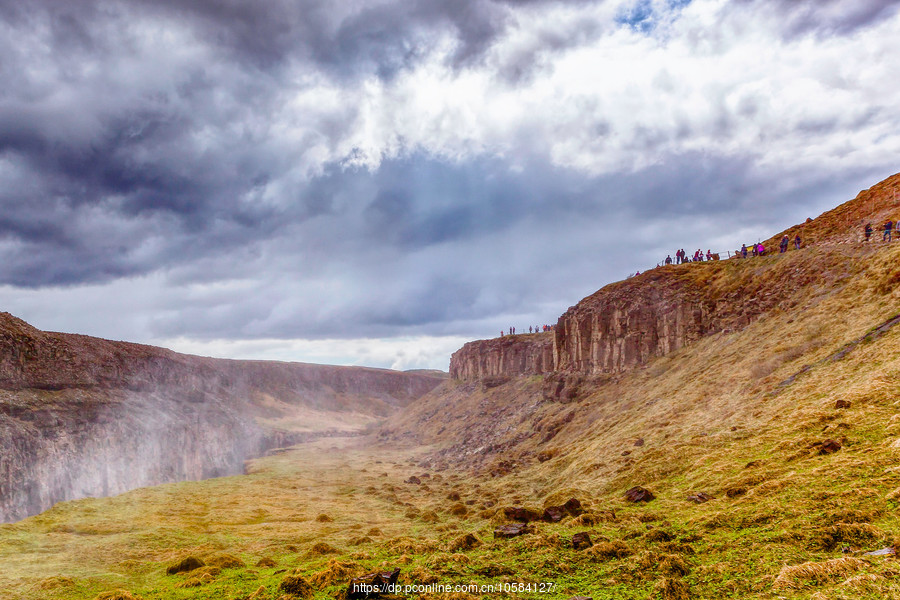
pixel 464 542
pixel 413 479
pixel 700 498
pixel 521 514
pixel 581 541
pixel 513 530
pixel 453 496
pixel 639 494
pixel 829 447
pixel 188 564
pixel 553 514
pixel 639 442
pixel 545 455
pixel 573 507
pixel 296 585
pixel 372 585
pixel 842 404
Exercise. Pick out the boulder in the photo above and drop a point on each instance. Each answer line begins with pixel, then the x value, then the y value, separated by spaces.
pixel 842 404
pixel 372 585
pixel 830 447
pixel 573 507
pixel 699 498
pixel 581 541
pixel 639 494
pixel 414 480
pixel 521 514
pixel 553 514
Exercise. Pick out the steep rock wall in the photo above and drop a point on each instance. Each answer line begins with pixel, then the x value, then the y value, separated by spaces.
pixel 508 356
pixel 82 416
pixel 623 326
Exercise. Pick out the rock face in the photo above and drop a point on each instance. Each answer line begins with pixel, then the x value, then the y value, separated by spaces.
pixel 625 325
pixel 81 416
pixel 508 356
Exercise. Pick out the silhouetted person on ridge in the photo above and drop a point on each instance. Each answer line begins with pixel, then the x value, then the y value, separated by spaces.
pixel 888 227
pixel 760 249
pixel 783 246
pixel 797 242
pixel 668 259
pixel 708 254
pixel 743 250
pixel 868 231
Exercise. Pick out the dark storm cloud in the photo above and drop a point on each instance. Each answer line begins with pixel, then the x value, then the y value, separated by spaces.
pixel 379 39
pixel 525 239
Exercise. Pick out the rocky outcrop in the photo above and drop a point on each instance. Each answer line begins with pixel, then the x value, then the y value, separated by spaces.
pixel 508 356
pixel 82 416
pixel 627 324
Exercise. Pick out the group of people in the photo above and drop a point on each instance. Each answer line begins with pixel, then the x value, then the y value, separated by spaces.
pixel 786 241
pixel 531 329
pixel 887 228
pixel 682 257
pixel 754 249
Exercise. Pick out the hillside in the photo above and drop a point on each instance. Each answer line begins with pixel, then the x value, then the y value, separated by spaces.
pixel 756 400
pixel 82 416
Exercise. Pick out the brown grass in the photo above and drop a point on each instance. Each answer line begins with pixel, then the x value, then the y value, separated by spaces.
pixel 813 573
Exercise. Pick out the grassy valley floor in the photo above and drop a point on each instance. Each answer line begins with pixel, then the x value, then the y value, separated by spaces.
pixel 332 509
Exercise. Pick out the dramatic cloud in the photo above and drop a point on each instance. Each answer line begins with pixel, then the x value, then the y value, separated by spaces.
pixel 224 175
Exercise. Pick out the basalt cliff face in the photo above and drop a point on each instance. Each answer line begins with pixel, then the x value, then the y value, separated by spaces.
pixel 82 416
pixel 508 356
pixel 626 324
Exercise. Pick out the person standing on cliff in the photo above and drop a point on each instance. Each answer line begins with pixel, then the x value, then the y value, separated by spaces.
pixel 784 245
pixel 888 227
pixel 668 259
pixel 743 250
pixel 797 242
pixel 868 231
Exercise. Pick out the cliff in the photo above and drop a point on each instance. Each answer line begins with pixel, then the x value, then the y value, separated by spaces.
pixel 526 354
pixel 626 324
pixel 82 416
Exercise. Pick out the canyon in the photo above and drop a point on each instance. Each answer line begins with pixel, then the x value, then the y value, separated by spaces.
pixel 82 416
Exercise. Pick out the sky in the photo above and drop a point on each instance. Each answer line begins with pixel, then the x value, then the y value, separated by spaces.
pixel 376 182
